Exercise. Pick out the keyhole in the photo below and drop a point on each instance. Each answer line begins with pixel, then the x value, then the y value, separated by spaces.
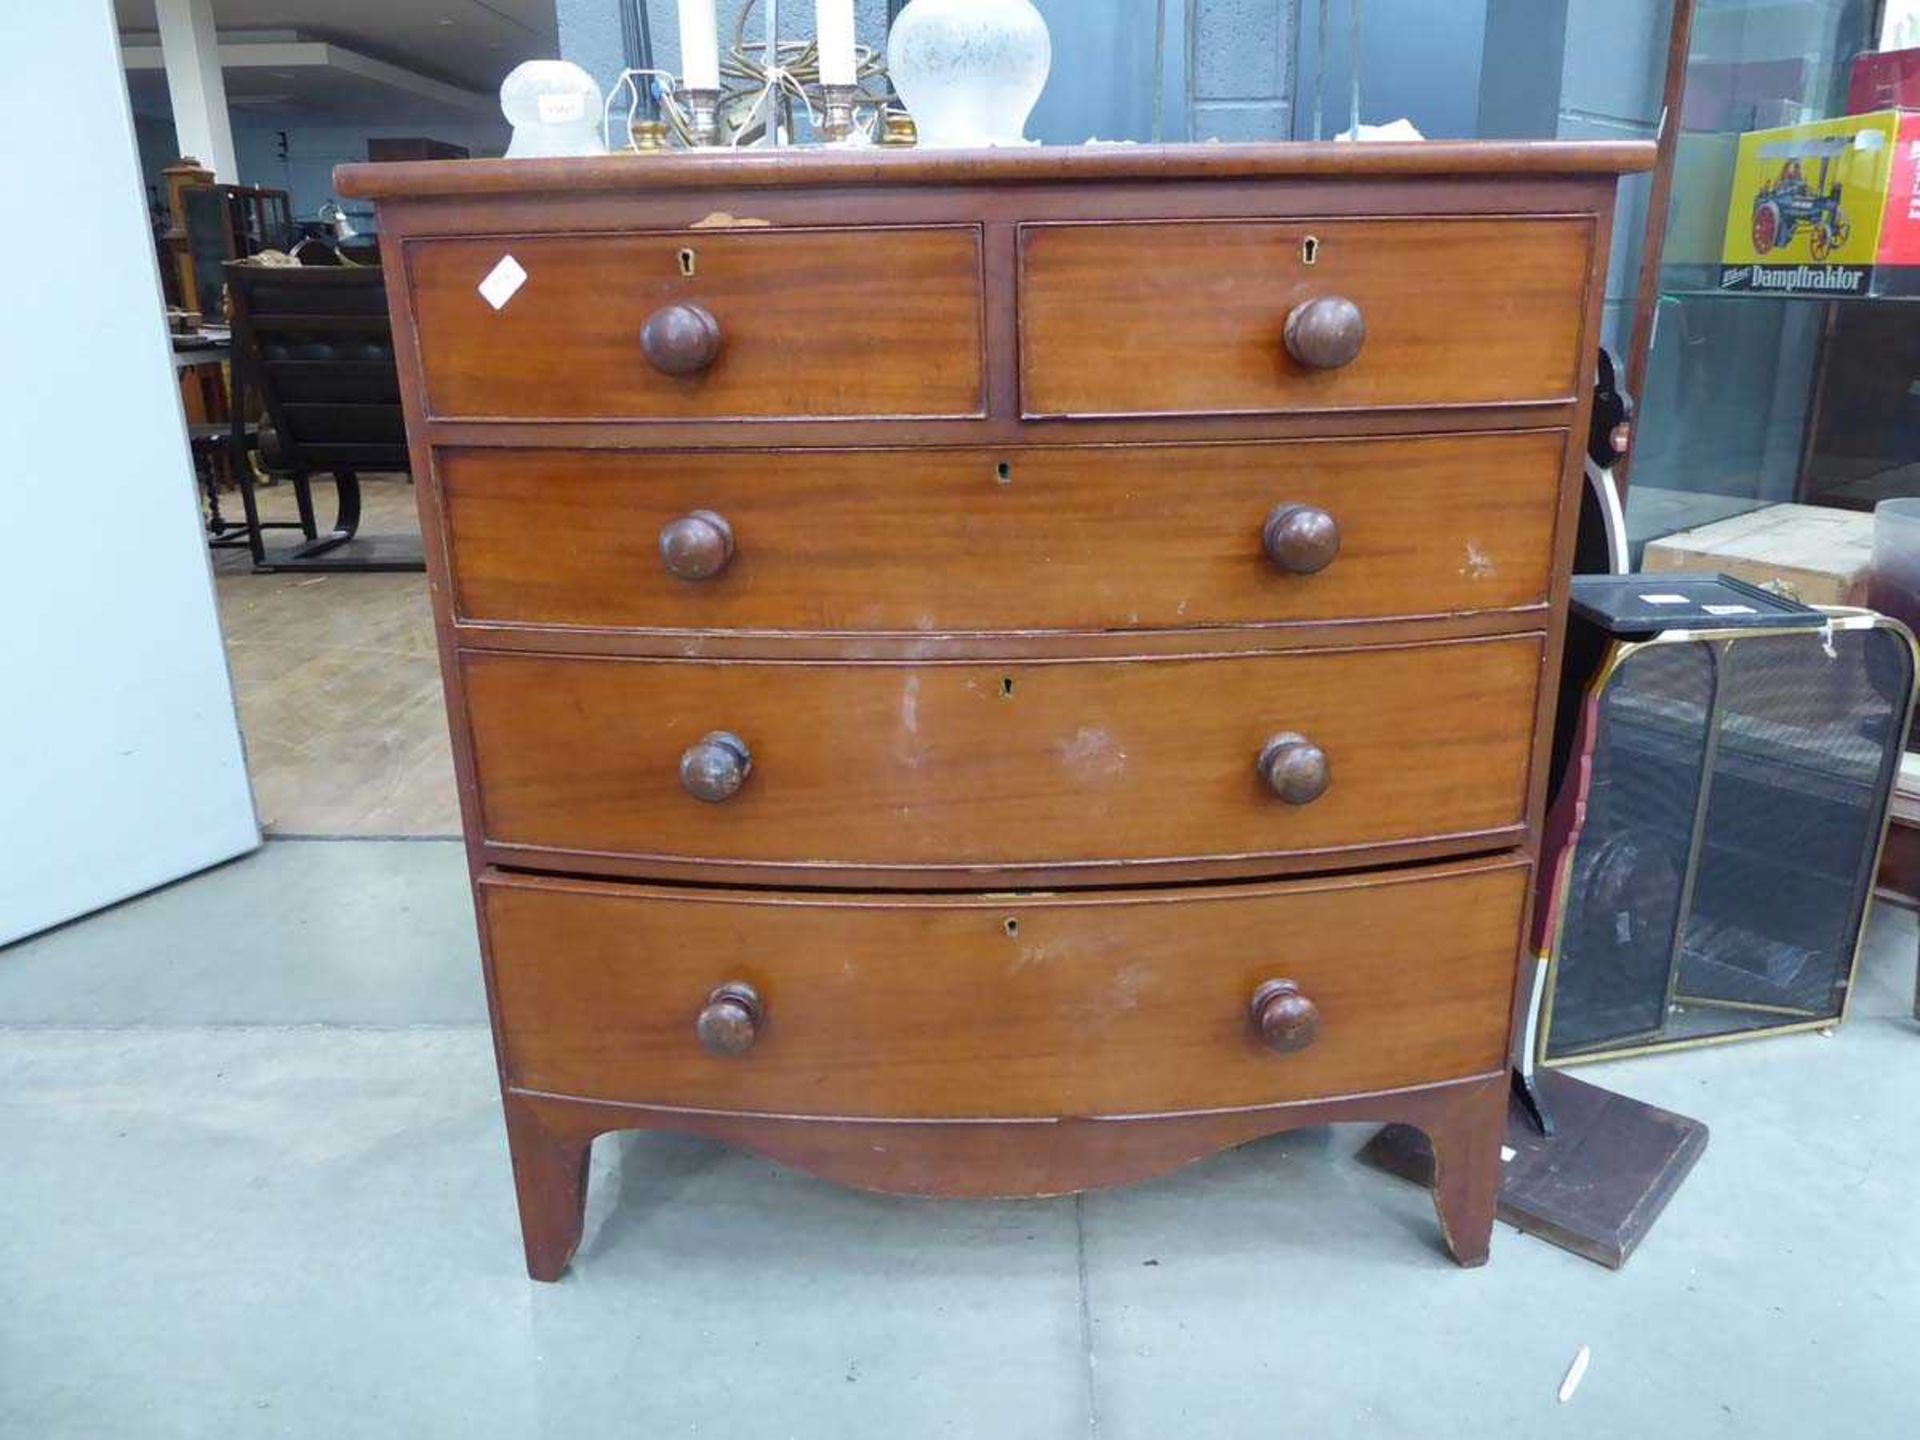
pixel 688 263
pixel 1003 472
pixel 1309 249
pixel 1006 687
pixel 1011 926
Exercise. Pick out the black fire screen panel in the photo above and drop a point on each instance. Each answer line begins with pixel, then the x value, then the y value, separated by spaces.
pixel 1737 800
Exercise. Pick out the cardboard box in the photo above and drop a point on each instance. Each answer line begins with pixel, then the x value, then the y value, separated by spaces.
pixel 1820 555
pixel 1828 208
pixel 1884 80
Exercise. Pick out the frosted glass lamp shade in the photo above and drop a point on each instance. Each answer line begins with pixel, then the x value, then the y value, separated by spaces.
pixel 970 71
pixel 554 108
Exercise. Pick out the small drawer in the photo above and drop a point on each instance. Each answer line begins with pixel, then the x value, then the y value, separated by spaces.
pixel 1095 1004
pixel 1253 317
pixel 971 768
pixel 692 325
pixel 1056 538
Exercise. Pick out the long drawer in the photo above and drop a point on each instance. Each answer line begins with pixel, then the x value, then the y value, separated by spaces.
pixel 1094 1004
pixel 976 767
pixel 1213 317
pixel 1075 538
pixel 811 324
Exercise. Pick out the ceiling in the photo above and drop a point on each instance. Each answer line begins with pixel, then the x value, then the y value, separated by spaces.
pixel 467 43
pixel 280 79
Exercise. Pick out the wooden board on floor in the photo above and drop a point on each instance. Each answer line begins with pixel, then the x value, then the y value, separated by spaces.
pixel 1595 1187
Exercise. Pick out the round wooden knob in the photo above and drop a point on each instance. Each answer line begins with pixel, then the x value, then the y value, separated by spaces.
pixel 1294 768
pixel 697 546
pixel 730 1023
pixel 715 768
pixel 681 339
pixel 1300 539
pixel 1326 332
pixel 1286 1019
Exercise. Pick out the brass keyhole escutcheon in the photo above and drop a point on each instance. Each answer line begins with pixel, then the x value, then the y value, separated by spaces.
pixel 1310 250
pixel 689 263
pixel 1003 473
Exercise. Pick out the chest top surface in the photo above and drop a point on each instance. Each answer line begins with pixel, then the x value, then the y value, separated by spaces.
pixel 1040 164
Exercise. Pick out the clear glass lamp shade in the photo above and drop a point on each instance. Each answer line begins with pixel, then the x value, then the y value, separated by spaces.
pixel 970 71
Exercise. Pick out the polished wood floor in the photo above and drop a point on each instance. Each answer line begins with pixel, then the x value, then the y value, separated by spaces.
pixel 338 685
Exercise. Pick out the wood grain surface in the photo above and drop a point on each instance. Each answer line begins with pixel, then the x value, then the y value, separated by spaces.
pixel 1187 318
pixel 1010 1007
pixel 873 169
pixel 1023 764
pixel 812 323
pixel 1019 539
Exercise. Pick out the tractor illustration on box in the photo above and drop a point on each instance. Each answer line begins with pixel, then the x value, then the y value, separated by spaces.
pixel 1788 204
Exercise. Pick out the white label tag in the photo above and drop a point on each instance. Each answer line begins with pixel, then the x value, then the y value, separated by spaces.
pixel 1664 599
pixel 503 281
pixel 567 109
pixel 1729 609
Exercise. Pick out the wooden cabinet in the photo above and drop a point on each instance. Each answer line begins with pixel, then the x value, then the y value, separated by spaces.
pixel 1000 673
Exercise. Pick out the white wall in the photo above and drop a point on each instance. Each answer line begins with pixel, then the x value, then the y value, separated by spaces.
pixel 122 764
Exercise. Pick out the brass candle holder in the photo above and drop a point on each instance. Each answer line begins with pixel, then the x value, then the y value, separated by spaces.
pixel 836 124
pixel 763 85
pixel 648 136
pixel 702 110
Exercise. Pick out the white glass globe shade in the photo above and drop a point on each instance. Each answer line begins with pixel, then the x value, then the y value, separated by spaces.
pixel 554 108
pixel 969 71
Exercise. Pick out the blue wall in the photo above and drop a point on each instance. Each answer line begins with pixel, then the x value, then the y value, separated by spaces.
pixel 1102 81
pixel 1420 59
pixel 1245 70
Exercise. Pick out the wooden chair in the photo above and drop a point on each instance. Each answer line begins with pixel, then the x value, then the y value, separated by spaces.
pixel 316 345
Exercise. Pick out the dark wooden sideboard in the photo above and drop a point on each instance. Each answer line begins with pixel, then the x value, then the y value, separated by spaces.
pixel 1000 673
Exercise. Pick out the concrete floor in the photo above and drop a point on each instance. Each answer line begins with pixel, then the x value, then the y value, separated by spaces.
pixel 253 1182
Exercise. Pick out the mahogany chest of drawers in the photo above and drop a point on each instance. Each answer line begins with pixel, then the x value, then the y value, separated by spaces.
pixel 986 674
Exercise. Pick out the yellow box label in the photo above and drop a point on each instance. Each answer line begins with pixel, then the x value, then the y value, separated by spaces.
pixel 1810 194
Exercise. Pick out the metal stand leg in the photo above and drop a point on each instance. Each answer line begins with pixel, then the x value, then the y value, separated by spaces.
pixel 303 498
pixel 1527 1092
pixel 346 515
pixel 250 503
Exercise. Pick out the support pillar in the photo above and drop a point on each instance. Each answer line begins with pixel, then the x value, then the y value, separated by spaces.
pixel 191 51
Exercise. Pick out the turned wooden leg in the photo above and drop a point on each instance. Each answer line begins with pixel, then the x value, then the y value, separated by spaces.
pixel 550 1179
pixel 1466 1144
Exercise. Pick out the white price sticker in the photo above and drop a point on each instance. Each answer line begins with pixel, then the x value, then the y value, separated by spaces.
pixel 1729 609
pixel 1664 599
pixel 503 281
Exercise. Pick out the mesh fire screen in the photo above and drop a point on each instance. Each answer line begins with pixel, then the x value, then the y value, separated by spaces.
pixel 1738 796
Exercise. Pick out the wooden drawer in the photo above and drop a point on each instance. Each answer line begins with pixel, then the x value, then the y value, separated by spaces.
pixel 1093 1004
pixel 973 767
pixel 1189 318
pixel 815 324
pixel 973 540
